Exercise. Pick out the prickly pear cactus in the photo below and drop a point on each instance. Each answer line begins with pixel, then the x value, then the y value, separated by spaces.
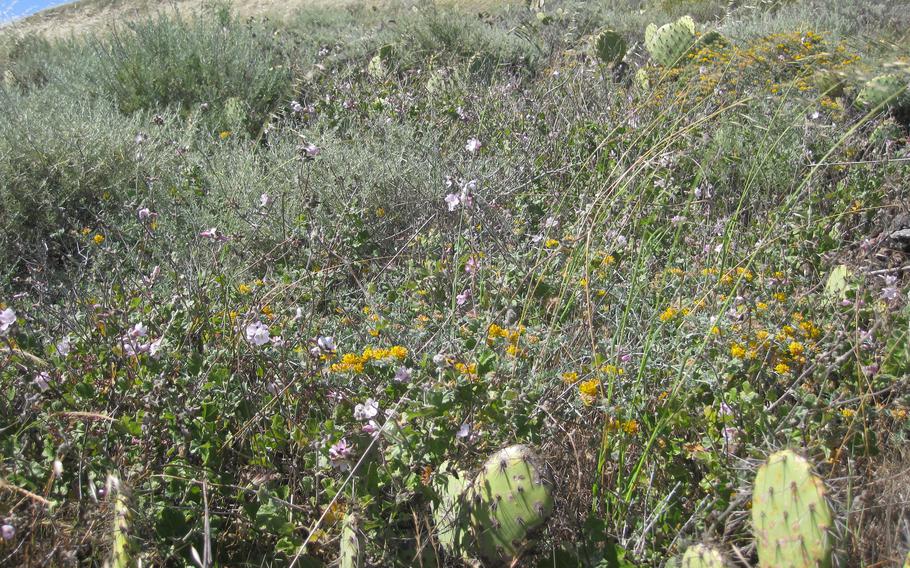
pixel 884 91
pixel 380 63
pixel 701 556
pixel 351 548
pixel 669 43
pixel 790 516
pixel 449 514
pixel 610 47
pixel 121 547
pixel 509 498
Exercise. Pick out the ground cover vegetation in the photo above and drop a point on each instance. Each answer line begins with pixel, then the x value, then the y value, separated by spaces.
pixel 607 284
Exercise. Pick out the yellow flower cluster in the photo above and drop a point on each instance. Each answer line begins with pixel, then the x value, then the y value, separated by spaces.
pixel 352 362
pixel 588 391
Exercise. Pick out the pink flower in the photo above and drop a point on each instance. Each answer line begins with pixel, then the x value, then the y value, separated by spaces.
pixel 367 410
pixel 42 381
pixel 461 299
pixel 257 333
pixel 213 234
pixel 371 428
pixel 340 454
pixel 471 265
pixel 138 330
pixel 7 319
pixel 452 200
pixel 311 150
pixel 8 531
pixel 144 214
pixel 402 375
pixel 473 145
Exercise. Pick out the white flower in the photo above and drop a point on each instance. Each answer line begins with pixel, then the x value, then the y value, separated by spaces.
pixel 64 346
pixel 8 532
pixel 58 468
pixel 464 431
pixel 367 410
pixel 452 200
pixel 296 107
pixel 473 145
pixel 298 315
pixel 326 343
pixel 144 213
pixel 402 375
pixel 155 347
pixel 265 200
pixel 138 330
pixel 257 333
pixel 7 319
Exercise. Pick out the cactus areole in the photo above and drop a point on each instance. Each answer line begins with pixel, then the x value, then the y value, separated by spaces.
pixel 790 515
pixel 510 497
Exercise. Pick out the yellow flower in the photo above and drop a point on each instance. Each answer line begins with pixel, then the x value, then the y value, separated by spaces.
pixel 847 412
pixel 630 427
pixel 374 332
pixel 588 390
pixel 380 212
pixel 796 348
pixel 98 238
pixel 737 351
pixel 782 368
pixel 668 314
pixel 225 134
pixel 551 243
pixel 570 377
pixel 244 289
pixel 779 296
pixel 761 306
pixel 398 352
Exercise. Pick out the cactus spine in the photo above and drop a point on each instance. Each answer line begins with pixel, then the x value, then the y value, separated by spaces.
pixel 671 42
pixel 701 556
pixel 509 498
pixel 790 515
pixel 610 47
pixel 351 548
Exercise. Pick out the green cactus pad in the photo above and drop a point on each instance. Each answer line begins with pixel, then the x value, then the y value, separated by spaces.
pixel 350 553
pixel 701 556
pixel 122 543
pixel 884 91
pixel 449 514
pixel 610 47
pixel 669 43
pixel 509 498
pixel 790 516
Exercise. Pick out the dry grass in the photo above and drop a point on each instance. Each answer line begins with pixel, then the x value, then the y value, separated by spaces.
pixel 93 15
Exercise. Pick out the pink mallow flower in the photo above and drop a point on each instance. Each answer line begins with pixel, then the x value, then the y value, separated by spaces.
pixel 7 319
pixel 257 333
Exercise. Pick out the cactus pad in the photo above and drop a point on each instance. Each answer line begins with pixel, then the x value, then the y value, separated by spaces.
pixel 122 544
pixel 610 47
pixel 669 43
pixel 701 556
pixel 509 498
pixel 351 548
pixel 884 91
pixel 448 515
pixel 790 516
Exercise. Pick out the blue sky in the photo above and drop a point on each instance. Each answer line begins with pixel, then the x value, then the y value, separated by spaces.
pixel 16 8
